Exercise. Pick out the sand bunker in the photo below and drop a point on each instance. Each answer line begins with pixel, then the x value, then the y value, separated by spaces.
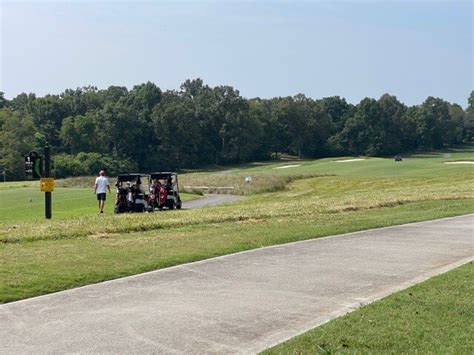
pixel 348 160
pixel 460 162
pixel 287 166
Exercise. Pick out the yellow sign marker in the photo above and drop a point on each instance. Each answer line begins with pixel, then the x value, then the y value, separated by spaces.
pixel 47 184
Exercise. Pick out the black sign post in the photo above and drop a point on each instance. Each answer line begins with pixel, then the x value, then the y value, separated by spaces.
pixel 47 174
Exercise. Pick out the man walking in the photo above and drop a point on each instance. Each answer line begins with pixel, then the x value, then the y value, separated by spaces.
pixel 101 186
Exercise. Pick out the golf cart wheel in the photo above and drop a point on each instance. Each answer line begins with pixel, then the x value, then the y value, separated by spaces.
pixel 179 205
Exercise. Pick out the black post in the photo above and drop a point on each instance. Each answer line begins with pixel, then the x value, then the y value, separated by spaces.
pixel 47 173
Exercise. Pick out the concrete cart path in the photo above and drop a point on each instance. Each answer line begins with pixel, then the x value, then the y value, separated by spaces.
pixel 210 200
pixel 240 303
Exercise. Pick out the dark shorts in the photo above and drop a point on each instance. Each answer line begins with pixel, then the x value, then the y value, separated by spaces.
pixel 101 197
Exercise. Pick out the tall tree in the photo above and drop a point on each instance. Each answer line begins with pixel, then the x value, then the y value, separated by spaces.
pixel 3 101
pixel 338 111
pixel 78 133
pixel 23 102
pixel 178 133
pixel 17 137
pixel 48 113
pixel 454 126
pixel 432 118
pixel 468 130
pixel 358 135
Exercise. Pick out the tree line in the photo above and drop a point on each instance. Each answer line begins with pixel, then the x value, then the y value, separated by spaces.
pixel 147 129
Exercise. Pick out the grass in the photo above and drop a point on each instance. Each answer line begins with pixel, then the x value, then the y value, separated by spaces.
pixel 26 204
pixel 434 317
pixel 48 265
pixel 274 175
pixel 78 247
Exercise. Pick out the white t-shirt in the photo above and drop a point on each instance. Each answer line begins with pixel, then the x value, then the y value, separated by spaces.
pixel 101 182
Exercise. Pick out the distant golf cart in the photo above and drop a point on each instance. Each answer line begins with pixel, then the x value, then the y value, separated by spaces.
pixel 164 191
pixel 132 193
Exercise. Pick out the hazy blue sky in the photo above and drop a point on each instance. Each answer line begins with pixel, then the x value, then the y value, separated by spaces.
pixel 263 48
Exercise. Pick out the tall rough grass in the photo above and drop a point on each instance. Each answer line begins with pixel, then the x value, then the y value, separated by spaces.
pixel 223 183
pixel 79 182
pixel 227 183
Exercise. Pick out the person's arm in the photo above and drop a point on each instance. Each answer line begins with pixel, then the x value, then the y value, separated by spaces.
pixel 95 187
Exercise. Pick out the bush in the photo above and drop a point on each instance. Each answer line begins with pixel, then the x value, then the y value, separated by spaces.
pixel 66 165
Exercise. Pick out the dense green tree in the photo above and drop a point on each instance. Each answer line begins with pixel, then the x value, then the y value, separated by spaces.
pixel 263 140
pixel 289 123
pixel 149 129
pixel 204 104
pixel 3 101
pixel 338 111
pixel 81 100
pixel 358 135
pixel 22 102
pixel 178 133
pixel 118 131
pixel 48 113
pixel 78 133
pixel 468 125
pixel 17 138
pixel 113 94
pixel 390 127
pixel 143 97
pixel 454 126
pixel 432 120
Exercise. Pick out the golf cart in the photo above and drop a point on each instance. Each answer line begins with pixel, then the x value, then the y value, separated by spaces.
pixel 132 193
pixel 164 191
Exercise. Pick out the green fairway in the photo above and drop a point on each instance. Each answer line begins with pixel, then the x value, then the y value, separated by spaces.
pixel 317 198
pixel 416 165
pixel 434 317
pixel 26 204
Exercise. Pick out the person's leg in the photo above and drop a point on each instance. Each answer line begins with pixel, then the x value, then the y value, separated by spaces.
pixel 101 199
pixel 102 203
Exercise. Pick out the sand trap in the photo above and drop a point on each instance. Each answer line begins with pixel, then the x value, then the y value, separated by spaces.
pixel 460 162
pixel 287 166
pixel 348 160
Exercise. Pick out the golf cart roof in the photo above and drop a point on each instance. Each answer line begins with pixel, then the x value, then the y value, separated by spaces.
pixel 130 177
pixel 162 175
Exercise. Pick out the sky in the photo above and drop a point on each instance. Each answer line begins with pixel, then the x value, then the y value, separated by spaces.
pixel 354 49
